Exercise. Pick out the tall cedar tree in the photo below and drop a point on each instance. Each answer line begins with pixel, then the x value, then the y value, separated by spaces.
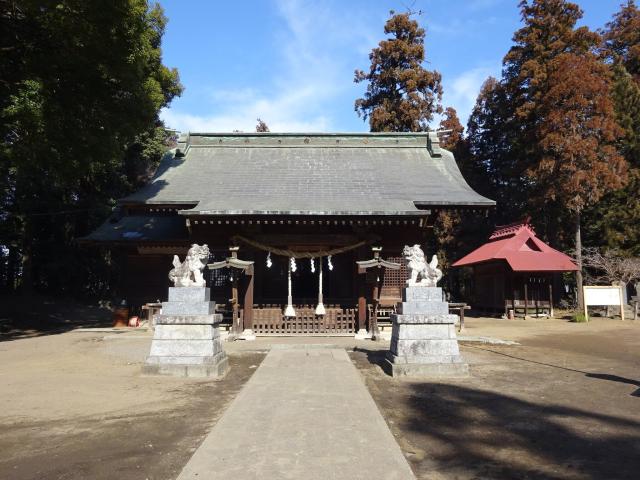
pixel 401 96
pixel 580 162
pixel 83 81
pixel 447 222
pixel 616 219
pixel 559 123
pixel 548 31
pixel 491 169
pixel 622 38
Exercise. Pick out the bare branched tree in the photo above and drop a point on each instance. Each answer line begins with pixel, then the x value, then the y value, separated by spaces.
pixel 610 266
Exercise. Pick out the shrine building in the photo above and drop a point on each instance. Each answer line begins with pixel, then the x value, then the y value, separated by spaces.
pixel 515 270
pixel 323 199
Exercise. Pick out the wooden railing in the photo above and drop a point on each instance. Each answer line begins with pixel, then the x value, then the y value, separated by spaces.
pixel 270 320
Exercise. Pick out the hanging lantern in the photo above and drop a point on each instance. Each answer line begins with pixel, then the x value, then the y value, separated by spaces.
pixel 320 308
pixel 269 262
pixel 313 266
pixel 329 264
pixel 289 311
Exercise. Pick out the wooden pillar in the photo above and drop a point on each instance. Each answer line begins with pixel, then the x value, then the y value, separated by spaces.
pixel 362 303
pixel 373 319
pixel 526 299
pixel 377 290
pixel 248 300
pixel 235 326
pixel 551 298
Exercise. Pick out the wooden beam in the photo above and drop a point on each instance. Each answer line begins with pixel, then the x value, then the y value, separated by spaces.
pixel 362 303
pixel 248 300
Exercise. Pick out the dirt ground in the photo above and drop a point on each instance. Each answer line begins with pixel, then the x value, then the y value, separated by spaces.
pixel 564 404
pixel 75 406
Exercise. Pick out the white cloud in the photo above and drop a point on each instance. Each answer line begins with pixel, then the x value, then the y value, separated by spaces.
pixel 312 75
pixel 462 91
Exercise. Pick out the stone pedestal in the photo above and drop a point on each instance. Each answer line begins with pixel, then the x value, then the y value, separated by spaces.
pixel 186 341
pixel 423 337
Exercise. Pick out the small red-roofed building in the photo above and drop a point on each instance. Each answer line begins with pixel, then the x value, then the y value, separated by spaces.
pixel 515 270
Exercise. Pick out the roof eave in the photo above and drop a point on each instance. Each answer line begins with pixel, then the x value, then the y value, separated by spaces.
pixel 319 213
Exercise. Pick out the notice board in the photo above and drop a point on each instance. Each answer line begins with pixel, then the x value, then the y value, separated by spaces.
pixel 603 296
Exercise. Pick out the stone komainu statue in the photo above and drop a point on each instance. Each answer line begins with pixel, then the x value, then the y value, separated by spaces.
pixel 429 272
pixel 189 272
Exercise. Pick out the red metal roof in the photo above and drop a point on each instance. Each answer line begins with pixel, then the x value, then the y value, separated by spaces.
pixel 518 245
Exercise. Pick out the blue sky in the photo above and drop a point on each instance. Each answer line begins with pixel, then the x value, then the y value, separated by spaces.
pixel 291 62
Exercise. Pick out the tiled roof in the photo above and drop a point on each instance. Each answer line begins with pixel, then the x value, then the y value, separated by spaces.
pixel 518 246
pixel 310 174
pixel 140 228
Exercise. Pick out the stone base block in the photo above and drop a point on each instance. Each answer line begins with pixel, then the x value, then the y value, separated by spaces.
pixel 188 319
pixel 213 367
pixel 422 294
pixel 423 307
pixel 422 318
pixel 184 360
pixel 189 294
pixel 426 370
pixel 186 332
pixel 188 308
pixel 185 348
pixel 430 331
pixel 424 348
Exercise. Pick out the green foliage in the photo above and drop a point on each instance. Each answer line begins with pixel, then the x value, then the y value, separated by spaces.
pixel 83 85
pixel 492 168
pixel 622 38
pixel 615 221
pixel 545 134
pixel 578 317
pixel 401 96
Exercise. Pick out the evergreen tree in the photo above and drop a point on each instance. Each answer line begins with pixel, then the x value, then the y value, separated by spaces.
pixel 546 133
pixel 491 169
pixel 454 135
pixel 577 139
pixel 615 221
pixel 401 96
pixel 622 38
pixel 83 81
pixel 446 226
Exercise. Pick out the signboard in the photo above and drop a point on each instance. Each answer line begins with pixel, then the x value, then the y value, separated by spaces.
pixel 603 296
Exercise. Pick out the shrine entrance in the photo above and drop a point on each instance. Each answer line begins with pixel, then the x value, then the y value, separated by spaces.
pixel 340 303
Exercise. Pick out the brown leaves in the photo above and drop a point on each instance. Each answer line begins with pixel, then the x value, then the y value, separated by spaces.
pixel 401 96
pixel 576 133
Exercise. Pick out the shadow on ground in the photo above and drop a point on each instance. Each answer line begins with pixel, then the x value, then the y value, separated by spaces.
pixel 464 431
pixel 22 317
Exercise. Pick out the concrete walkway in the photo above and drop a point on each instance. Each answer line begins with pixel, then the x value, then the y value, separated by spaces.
pixel 304 414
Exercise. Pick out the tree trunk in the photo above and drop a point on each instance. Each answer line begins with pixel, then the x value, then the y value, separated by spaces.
pixel 26 277
pixel 579 263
